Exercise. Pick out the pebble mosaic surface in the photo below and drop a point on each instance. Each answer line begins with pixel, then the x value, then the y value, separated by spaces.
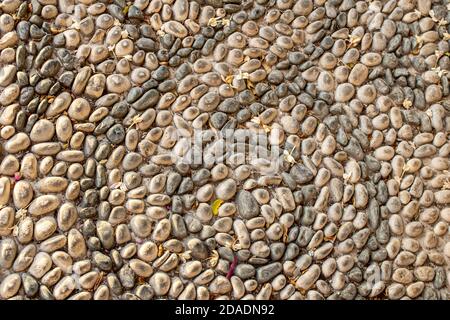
pixel 224 149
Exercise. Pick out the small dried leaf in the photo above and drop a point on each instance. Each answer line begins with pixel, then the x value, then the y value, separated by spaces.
pixel 353 40
pixel 256 120
pixel 293 281
pixel 15 231
pixel 242 75
pixel 228 79
pixel 350 65
pixel 446 185
pixel 432 15
pixel 250 84
pixel 115 185
pixel 212 22
pixel 75 25
pixel 347 176
pixel 285 233
pixel 442 22
pixel 439 71
pixel 407 104
pixel 288 156
pixel 213 259
pixel 55 30
pixel 266 67
pixel 185 255
pixel 419 39
pixel 124 34
pixel 136 119
pixel 267 128
pixel 438 53
pixel 406 168
pixel 236 246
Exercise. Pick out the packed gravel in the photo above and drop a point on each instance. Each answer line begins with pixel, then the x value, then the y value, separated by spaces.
pixel 224 149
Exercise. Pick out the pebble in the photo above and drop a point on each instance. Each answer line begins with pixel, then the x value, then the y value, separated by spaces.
pixel 247 206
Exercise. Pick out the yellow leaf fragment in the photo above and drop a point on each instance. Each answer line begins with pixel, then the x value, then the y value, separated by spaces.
pixel 215 206
pixel 229 79
pixel 160 250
